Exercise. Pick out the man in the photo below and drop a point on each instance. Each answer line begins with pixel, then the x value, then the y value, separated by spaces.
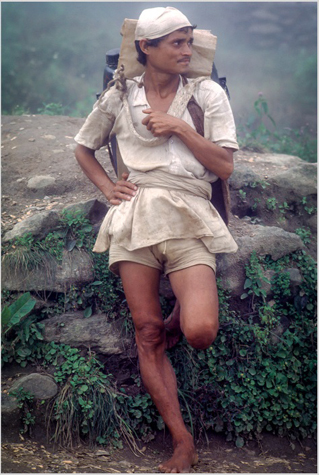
pixel 161 218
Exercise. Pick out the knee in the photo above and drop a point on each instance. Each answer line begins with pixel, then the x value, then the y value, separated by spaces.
pixel 201 337
pixel 149 335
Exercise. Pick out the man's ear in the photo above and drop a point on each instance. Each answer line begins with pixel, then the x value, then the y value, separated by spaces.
pixel 144 46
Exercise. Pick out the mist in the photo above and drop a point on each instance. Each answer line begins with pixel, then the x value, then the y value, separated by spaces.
pixel 54 52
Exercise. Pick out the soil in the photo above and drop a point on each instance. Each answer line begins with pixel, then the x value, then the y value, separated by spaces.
pixel 270 455
pixel 43 145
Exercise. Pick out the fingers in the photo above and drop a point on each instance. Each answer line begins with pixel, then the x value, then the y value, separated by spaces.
pixel 123 191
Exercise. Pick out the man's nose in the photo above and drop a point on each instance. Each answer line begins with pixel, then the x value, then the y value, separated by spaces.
pixel 187 49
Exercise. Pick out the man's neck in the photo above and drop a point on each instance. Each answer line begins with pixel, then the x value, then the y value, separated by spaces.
pixel 159 84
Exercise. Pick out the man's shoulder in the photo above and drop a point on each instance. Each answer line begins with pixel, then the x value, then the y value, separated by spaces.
pixel 206 85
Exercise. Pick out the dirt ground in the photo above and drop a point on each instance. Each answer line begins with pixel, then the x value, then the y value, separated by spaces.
pixel 271 455
pixel 43 145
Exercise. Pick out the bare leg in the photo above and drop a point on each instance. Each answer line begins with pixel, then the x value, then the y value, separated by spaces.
pixel 173 327
pixel 196 291
pixel 141 284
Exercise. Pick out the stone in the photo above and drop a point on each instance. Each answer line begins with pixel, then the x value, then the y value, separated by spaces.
pixel 39 225
pixel 10 411
pixel 94 210
pixel 275 190
pixel 94 332
pixel 40 181
pixel 39 385
pixel 265 240
pixel 76 268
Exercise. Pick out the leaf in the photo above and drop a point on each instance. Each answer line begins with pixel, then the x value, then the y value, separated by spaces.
pixel 97 282
pixel 247 283
pixel 24 352
pixel 243 296
pixel 240 442
pixel 13 314
pixel 87 229
pixel 87 312
pixel 70 244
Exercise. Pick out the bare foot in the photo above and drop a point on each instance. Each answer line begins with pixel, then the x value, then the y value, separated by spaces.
pixel 183 458
pixel 172 327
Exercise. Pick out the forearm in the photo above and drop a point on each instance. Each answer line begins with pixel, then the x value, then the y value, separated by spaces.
pixel 94 170
pixel 216 159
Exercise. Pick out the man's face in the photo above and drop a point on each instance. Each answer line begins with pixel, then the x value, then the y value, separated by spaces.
pixel 173 53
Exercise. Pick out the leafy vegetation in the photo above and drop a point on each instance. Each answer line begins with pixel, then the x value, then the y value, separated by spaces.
pixel 259 375
pixel 260 132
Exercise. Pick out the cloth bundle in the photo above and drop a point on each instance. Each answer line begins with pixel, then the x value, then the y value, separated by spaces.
pixel 201 64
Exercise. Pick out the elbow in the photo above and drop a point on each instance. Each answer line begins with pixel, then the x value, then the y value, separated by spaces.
pixel 227 171
pixel 228 167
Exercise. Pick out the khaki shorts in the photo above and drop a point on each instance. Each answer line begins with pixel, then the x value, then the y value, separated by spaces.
pixel 168 256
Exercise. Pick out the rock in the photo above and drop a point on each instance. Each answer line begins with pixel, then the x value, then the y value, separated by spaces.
pixel 39 225
pixel 39 385
pixel 276 190
pixel 94 332
pixel 295 279
pixel 265 240
pixel 76 268
pixel 10 411
pixel 94 210
pixel 40 182
pixel 312 223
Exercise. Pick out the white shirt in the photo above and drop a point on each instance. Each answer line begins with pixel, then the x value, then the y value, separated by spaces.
pixel 109 118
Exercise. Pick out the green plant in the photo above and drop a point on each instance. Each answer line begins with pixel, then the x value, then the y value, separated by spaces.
pixel 283 208
pixel 271 203
pixel 309 209
pixel 25 403
pixel 260 132
pixel 242 195
pixel 21 331
pixel 51 109
pixel 304 234
pixel 262 183
pixel 87 403
pixel 255 278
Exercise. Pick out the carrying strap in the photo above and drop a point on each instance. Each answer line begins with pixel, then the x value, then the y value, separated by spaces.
pixel 220 188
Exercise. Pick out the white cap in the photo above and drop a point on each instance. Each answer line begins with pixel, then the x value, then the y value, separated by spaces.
pixel 159 21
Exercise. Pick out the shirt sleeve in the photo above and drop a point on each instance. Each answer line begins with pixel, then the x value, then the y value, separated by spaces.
pixel 96 129
pixel 219 124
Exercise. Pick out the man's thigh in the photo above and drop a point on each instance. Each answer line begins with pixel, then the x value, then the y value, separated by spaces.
pixel 141 288
pixel 196 290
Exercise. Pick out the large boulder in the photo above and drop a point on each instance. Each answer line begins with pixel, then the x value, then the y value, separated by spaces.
pixel 275 190
pixel 265 240
pixel 38 225
pixel 76 268
pixel 95 332
pixel 41 386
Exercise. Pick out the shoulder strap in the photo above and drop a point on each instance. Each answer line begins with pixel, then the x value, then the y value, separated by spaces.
pixel 220 188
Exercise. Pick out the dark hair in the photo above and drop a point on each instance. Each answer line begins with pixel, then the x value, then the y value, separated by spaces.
pixel 141 57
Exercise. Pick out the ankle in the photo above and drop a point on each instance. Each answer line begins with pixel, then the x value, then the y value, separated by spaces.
pixel 183 439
